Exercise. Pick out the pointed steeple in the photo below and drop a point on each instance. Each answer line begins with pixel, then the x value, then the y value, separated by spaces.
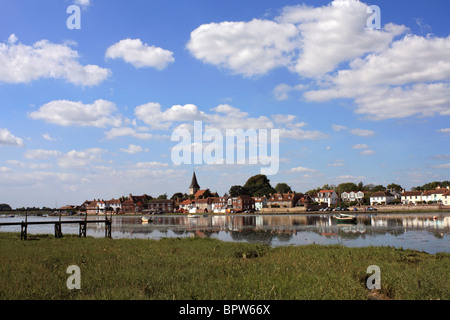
pixel 194 187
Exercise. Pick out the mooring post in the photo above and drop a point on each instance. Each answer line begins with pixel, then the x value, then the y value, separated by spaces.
pixel 23 231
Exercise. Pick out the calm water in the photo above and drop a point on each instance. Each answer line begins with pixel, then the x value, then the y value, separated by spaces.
pixel 409 231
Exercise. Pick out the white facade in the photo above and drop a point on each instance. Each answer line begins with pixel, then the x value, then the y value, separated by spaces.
pixel 329 197
pixel 381 197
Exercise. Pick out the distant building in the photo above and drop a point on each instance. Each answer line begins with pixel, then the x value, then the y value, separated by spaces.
pixel 352 196
pixel 381 197
pixel 161 205
pixel 194 187
pixel 411 197
pixel 328 197
pixel 283 200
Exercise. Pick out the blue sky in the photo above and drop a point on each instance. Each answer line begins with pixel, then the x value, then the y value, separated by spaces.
pixel 89 113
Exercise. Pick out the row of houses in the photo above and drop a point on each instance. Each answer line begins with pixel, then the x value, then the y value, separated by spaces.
pixel 241 203
pixel 439 195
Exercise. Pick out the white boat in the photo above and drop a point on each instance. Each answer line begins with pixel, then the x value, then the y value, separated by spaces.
pixel 144 220
pixel 193 216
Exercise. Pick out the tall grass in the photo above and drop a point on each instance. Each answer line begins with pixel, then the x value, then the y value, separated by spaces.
pixel 210 269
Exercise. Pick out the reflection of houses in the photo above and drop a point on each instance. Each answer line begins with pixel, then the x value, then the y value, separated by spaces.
pixel 381 197
pixel 283 200
pixel 352 196
pixel 329 197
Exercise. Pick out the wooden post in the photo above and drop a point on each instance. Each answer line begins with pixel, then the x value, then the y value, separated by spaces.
pixel 23 231
pixel 58 231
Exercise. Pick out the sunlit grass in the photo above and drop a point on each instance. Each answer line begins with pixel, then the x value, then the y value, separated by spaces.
pixel 210 269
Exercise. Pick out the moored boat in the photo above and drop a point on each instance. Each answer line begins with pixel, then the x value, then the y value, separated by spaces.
pixel 345 218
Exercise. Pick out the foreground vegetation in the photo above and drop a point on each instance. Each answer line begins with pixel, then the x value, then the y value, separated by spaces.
pixel 210 269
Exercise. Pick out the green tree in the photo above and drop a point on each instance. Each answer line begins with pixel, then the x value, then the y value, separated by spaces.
pixel 238 190
pixel 162 196
pixel 283 188
pixel 258 185
pixel 177 195
pixel 347 187
pixel 395 187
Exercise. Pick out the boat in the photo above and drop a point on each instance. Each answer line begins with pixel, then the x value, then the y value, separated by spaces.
pixel 345 218
pixel 144 220
pixel 193 216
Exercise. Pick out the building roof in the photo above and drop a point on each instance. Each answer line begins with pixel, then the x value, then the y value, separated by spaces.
pixel 194 183
pixel 437 191
pixel 382 194
pixel 411 193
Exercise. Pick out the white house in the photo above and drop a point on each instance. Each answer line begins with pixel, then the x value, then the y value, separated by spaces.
pixel 411 197
pixel 352 196
pixel 446 199
pixel 260 202
pixel 436 195
pixel 381 197
pixel 329 197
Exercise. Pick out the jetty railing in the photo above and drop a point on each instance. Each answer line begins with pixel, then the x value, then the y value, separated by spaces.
pixel 58 226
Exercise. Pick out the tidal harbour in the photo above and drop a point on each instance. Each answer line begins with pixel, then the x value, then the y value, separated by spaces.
pixel 422 232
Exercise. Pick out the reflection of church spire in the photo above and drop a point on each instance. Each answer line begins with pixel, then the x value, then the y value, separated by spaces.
pixel 194 187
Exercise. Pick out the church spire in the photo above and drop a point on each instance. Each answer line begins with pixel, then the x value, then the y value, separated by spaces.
pixel 194 187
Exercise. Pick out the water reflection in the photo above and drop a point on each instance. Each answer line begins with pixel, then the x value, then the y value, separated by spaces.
pixel 420 232
pixel 412 231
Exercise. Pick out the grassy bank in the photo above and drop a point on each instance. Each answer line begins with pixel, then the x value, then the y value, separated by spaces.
pixel 211 269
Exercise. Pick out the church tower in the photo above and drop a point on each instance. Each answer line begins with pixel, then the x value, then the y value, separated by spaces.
pixel 194 187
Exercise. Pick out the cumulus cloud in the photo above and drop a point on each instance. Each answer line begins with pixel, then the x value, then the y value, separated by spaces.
pixel 80 159
pixel 410 78
pixel 307 40
pixel 101 113
pixel 446 130
pixel 362 132
pixel 8 139
pixel 20 63
pixel 133 149
pixel 221 117
pixel 139 54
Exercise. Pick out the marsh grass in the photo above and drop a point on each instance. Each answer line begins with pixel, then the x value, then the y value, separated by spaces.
pixel 208 269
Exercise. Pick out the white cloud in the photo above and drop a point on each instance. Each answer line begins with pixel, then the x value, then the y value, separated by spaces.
pixel 446 130
pixel 281 91
pixel 83 3
pixel 309 41
pixel 152 164
pixel 408 78
pixel 41 154
pixel 247 48
pixel 140 54
pixel 335 33
pixel 367 152
pixel 21 63
pixel 302 169
pixel 71 113
pixel 80 159
pixel 127 131
pixel 133 149
pixel 360 146
pixel 442 166
pixel 8 139
pixel 47 136
pixel 362 132
pixel 338 127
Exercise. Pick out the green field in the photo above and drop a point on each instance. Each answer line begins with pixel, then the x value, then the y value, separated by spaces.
pixel 208 269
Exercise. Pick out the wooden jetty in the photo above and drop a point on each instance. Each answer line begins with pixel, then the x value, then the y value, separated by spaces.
pixel 58 226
